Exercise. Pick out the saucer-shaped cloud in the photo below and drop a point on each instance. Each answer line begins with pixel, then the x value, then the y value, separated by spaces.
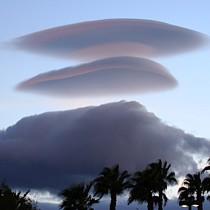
pixel 110 76
pixel 112 37
pixel 55 149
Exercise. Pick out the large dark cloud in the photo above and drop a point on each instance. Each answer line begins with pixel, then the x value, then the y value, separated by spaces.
pixel 52 150
pixel 110 76
pixel 112 37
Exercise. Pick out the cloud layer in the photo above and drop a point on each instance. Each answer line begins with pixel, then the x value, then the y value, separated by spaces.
pixel 117 48
pixel 52 150
pixel 111 76
pixel 112 37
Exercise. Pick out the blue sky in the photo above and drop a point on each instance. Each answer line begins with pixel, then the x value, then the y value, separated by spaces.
pixel 190 69
pixel 186 107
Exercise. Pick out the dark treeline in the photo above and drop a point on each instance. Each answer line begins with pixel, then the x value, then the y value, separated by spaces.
pixel 147 186
pixel 12 200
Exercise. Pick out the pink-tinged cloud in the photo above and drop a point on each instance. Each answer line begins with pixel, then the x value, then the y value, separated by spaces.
pixel 106 77
pixel 112 37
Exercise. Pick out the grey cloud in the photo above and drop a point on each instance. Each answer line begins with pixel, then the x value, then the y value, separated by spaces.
pixel 110 76
pixel 171 205
pixel 112 37
pixel 52 150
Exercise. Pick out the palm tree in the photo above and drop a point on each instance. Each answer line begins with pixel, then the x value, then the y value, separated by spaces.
pixel 206 186
pixel 207 168
pixel 111 181
pixel 15 200
pixel 206 181
pixel 142 189
pixel 162 177
pixel 185 197
pixel 193 187
pixel 77 197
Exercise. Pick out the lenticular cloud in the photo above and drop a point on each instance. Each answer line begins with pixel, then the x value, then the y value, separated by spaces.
pixel 113 37
pixel 115 52
pixel 111 76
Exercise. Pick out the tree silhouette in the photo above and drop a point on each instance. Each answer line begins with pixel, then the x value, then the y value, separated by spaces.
pixel 162 177
pixel 142 189
pixel 206 181
pixel 12 200
pixel 78 197
pixel 111 181
pixel 193 186
pixel 207 168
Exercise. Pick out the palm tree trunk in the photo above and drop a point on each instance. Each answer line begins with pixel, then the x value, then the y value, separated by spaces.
pixel 199 199
pixel 150 206
pixel 150 203
pixel 160 200
pixel 113 201
pixel 200 207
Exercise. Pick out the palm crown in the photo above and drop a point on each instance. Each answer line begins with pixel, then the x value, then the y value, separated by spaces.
pixel 111 181
pixel 78 197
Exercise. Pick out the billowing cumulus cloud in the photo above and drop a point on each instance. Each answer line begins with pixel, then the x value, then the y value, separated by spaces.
pixel 110 76
pixel 112 37
pixel 52 150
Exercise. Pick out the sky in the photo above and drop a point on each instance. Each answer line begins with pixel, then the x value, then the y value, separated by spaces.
pixel 177 117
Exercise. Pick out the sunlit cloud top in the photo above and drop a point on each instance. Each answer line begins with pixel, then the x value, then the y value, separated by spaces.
pixel 112 37
pixel 106 77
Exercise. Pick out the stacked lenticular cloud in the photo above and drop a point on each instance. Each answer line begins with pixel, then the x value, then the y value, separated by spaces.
pixel 114 56
pixel 110 76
